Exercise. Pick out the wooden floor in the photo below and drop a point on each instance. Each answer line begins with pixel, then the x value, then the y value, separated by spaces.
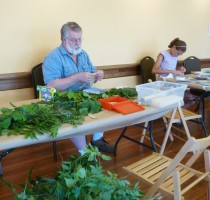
pixel 17 164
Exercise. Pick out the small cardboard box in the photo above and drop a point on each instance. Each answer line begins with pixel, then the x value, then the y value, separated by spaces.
pixel 45 93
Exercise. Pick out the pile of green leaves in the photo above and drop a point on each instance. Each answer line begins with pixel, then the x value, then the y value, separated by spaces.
pixel 46 117
pixel 129 93
pixel 80 178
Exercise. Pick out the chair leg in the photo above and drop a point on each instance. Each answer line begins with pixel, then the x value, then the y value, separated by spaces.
pixel 176 184
pixel 144 132
pixel 145 129
pixel 207 169
pixel 55 150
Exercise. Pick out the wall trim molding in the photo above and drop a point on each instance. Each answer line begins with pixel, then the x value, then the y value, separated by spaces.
pixel 21 80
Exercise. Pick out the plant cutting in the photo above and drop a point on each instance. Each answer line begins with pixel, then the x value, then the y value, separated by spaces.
pixel 80 178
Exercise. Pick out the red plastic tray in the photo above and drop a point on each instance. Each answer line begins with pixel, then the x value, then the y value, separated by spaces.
pixel 109 102
pixel 128 107
pixel 120 104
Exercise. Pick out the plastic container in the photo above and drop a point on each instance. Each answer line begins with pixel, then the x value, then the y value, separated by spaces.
pixel 127 107
pixel 109 102
pixel 120 104
pixel 158 93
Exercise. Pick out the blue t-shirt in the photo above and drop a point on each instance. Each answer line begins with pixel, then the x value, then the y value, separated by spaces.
pixel 58 64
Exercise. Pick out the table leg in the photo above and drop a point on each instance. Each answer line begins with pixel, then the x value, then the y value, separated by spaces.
pixel 184 122
pixel 168 130
pixel 3 154
pixel 171 121
pixel 150 129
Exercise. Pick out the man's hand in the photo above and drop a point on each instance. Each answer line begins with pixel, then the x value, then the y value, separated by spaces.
pixel 85 76
pixel 99 75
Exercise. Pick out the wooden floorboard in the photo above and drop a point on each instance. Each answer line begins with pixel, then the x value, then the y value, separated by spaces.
pixel 17 164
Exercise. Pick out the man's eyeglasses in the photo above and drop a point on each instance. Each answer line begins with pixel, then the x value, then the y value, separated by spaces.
pixel 74 40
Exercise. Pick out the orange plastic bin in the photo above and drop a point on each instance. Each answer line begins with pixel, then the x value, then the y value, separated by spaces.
pixel 120 104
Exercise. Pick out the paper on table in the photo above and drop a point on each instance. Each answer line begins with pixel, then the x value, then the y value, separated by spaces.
pixel 180 78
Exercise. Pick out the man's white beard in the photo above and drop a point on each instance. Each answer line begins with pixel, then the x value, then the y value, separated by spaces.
pixel 75 51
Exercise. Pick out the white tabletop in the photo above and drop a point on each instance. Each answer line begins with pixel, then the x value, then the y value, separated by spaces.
pixel 105 120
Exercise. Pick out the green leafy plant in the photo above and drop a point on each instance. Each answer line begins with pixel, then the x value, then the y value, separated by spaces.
pixel 130 93
pixel 80 178
pixel 46 117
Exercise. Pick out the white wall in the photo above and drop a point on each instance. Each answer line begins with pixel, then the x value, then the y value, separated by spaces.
pixel 115 31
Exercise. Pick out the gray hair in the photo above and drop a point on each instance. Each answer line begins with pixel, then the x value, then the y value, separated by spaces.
pixel 69 26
